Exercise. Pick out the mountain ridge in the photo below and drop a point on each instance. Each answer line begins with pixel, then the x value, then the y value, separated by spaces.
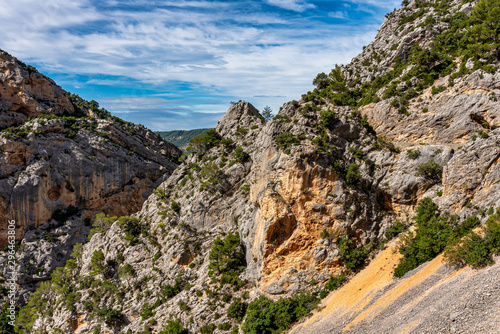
pixel 181 138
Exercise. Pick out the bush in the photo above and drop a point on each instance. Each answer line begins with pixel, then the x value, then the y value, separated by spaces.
pixel 352 174
pixel 170 291
pixel 328 119
pixel 207 329
pixel 335 281
pixel 286 139
pixel 413 154
pixel 237 310
pixel 110 316
pixel 475 250
pixel 430 170
pixel 97 261
pixel 224 326
pixel 352 256
pixel 176 207
pixel 240 155
pixel 131 227
pixel 227 259
pixel 147 311
pixel 204 142
pixel 240 132
pixel 267 317
pixel 395 229
pixel 174 327
pixel 101 224
pixel 433 233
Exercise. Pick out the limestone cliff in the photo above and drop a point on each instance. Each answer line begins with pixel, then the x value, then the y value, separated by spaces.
pixel 60 164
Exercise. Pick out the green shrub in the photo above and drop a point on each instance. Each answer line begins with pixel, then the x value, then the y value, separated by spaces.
pixel 328 119
pixel 147 311
pixel 240 155
pixel 286 139
pixel 433 233
pixel 352 173
pixel 110 316
pixel 170 291
pixel 267 317
pixel 204 142
pixel 475 250
pixel 176 207
pixel 240 132
pixel 97 261
pixel 430 170
pixel 237 309
pixel 207 329
pixel 224 326
pixel 395 229
pixel 437 89
pixel 227 259
pixel 174 327
pixel 352 256
pixel 131 227
pixel 101 224
pixel 413 154
pixel 335 281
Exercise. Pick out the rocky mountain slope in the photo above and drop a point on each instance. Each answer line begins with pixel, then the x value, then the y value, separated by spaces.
pixel 263 219
pixel 62 160
pixel 435 298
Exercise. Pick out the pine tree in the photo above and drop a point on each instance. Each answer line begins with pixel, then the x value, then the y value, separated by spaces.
pixel 484 35
pixel 267 113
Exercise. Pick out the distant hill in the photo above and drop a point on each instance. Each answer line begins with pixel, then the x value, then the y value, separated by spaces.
pixel 181 138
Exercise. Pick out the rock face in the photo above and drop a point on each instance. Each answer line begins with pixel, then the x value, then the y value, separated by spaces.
pixel 298 190
pixel 58 165
pixel 25 93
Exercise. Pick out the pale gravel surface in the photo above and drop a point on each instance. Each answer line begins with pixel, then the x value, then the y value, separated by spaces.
pixel 468 302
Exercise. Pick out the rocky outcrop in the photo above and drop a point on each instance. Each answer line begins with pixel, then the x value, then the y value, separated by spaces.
pixel 25 93
pixel 60 167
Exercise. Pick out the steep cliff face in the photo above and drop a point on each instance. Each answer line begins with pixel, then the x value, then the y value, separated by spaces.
pixel 60 165
pixel 52 160
pixel 308 194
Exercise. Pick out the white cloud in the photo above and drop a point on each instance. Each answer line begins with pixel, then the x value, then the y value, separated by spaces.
pixel 339 15
pixel 295 5
pixel 390 4
pixel 225 52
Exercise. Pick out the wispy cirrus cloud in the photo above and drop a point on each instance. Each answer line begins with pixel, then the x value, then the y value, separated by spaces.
pixel 186 58
pixel 295 5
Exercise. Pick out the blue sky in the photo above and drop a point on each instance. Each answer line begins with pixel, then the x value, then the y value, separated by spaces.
pixel 178 64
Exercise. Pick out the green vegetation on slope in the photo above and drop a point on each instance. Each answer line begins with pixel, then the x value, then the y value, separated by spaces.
pixel 181 138
pixel 475 249
pixel 265 316
pixel 470 38
pixel 435 231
